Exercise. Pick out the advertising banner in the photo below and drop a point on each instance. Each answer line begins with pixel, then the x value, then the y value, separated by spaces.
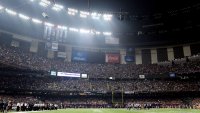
pixel 79 56
pixel 113 58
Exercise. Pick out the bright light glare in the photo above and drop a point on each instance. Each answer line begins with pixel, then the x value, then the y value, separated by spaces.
pixel 107 33
pixel 57 7
pixel 32 0
pixel 45 3
pixel 98 33
pixel 73 29
pixel 84 13
pixel 49 24
pixel 72 11
pixel 11 12
pixel 107 17
pixel 62 27
pixel 96 15
pixel 36 21
pixel 24 17
pixel 83 16
pixel 84 31
pixel 1 7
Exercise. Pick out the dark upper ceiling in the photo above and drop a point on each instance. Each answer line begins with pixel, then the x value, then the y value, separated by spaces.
pixel 135 7
pixel 169 26
pixel 132 6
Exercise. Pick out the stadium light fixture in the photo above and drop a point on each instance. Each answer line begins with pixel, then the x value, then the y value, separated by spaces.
pixel 95 16
pixel 57 7
pixel 107 33
pixel 94 32
pixel 72 11
pixel 36 21
pixel 1 7
pixel 45 3
pixel 49 24
pixel 24 17
pixel 11 12
pixel 97 33
pixel 84 14
pixel 73 29
pixel 107 17
pixel 62 27
pixel 84 31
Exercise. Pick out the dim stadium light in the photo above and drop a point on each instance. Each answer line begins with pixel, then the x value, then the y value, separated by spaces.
pixel 62 27
pixel 94 32
pixel 49 24
pixel 57 7
pixel 36 21
pixel 84 31
pixel 73 29
pixel 84 14
pixel 95 16
pixel 1 7
pixel 45 3
pixel 97 33
pixel 11 12
pixel 24 17
pixel 107 33
pixel 107 17
pixel 72 11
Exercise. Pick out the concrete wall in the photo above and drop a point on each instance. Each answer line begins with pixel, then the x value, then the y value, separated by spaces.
pixel 138 56
pixel 154 58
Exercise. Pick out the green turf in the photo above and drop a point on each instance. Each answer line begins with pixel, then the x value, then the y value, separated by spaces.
pixel 122 111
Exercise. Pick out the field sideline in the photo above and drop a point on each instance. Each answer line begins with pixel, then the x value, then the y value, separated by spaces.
pixel 117 111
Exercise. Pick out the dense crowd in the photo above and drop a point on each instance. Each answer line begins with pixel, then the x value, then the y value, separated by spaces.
pixel 29 103
pixel 47 83
pixel 17 57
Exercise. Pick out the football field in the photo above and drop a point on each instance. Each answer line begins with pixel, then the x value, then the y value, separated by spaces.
pixel 118 111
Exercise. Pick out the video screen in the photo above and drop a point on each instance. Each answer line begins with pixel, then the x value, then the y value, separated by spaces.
pixel 84 76
pixel 53 73
pixel 65 74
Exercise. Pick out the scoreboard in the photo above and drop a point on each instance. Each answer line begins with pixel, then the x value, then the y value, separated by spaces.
pixel 66 74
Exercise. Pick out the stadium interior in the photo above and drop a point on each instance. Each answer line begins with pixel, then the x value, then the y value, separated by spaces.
pixel 112 56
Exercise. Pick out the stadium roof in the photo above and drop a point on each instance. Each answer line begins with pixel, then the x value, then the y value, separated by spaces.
pixel 132 6
pixel 134 21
